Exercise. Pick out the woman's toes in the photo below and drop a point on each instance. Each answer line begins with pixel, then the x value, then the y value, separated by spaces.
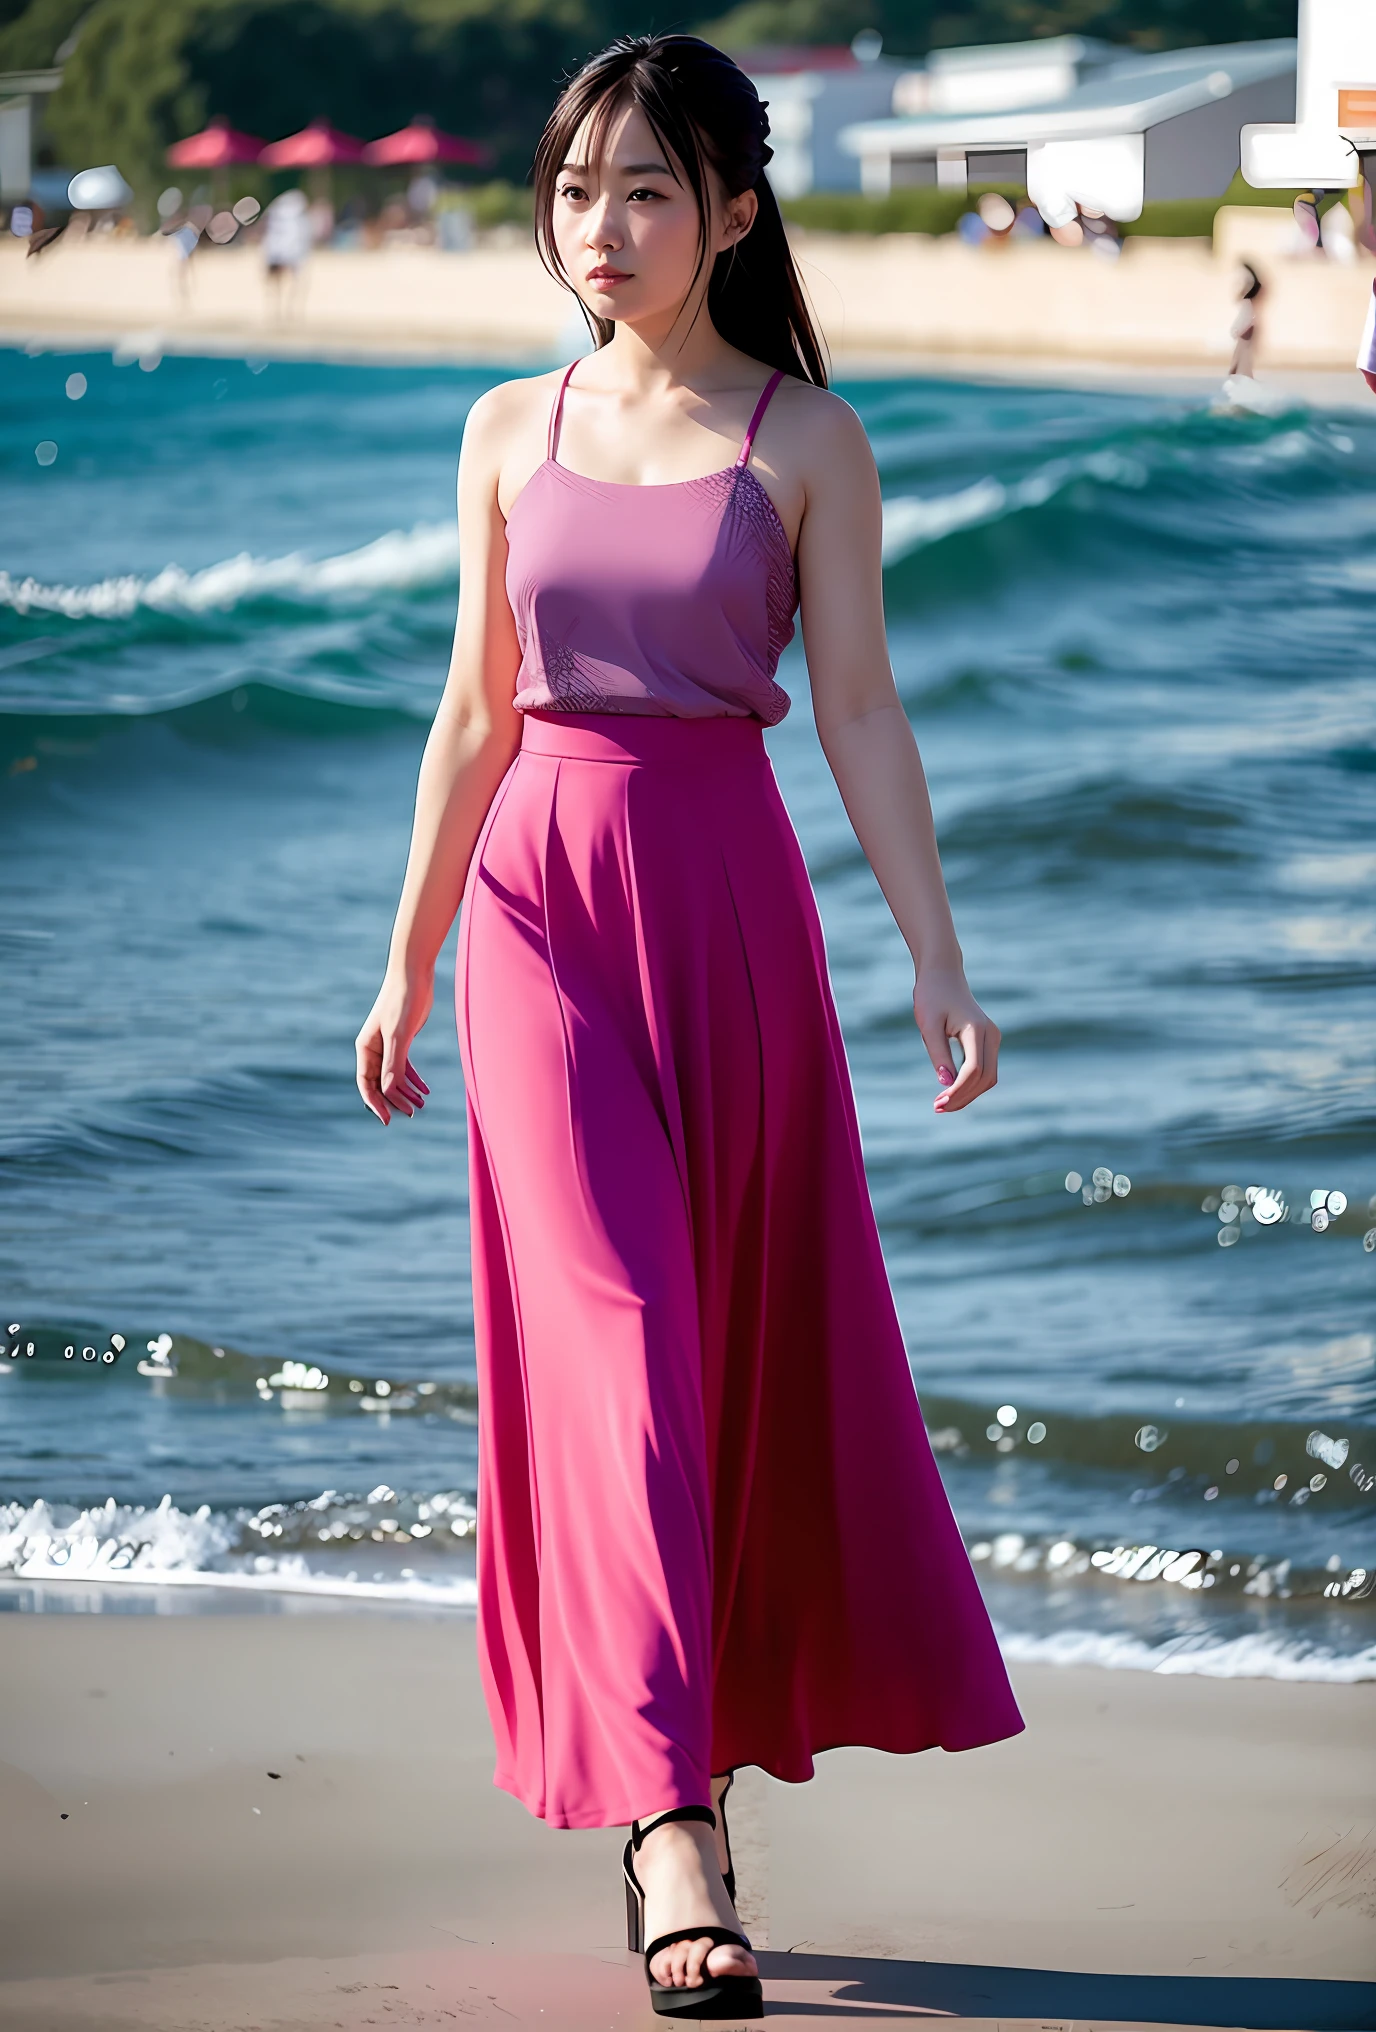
pixel 670 1969
pixel 688 1964
pixel 698 1952
pixel 730 1961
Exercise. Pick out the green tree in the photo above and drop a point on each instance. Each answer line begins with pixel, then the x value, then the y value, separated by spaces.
pixel 139 74
pixel 911 27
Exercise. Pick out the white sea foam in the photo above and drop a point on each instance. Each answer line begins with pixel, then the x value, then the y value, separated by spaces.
pixel 159 1545
pixel 398 562
pixel 428 554
pixel 162 1546
pixel 912 521
pixel 1244 1657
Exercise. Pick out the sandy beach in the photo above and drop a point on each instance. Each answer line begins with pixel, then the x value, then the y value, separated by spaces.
pixel 1165 307
pixel 226 1821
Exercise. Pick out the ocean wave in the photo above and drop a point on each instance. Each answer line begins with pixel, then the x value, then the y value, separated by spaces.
pixel 1252 1656
pixel 428 555
pixel 291 1548
pixel 912 522
pixel 303 1549
pixel 400 561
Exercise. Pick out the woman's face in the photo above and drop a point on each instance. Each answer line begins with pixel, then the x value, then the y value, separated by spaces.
pixel 626 229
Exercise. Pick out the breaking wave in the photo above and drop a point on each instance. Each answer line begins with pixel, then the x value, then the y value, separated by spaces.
pixel 1196 1654
pixel 401 561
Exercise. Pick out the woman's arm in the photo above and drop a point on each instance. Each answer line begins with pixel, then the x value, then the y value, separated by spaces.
pixel 475 734
pixel 869 744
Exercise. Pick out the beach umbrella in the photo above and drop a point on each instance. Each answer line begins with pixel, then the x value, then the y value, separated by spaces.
pixel 318 146
pixel 218 146
pixel 421 144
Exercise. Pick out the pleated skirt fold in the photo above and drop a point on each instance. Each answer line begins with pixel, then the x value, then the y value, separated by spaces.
pixel 710 1528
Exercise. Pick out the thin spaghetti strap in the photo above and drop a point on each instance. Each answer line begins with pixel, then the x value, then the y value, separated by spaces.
pixel 760 407
pixel 556 415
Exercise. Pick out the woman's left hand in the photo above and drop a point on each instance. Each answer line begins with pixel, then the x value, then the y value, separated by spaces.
pixel 944 1008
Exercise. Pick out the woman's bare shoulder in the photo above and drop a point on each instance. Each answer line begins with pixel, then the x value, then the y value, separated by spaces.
pixel 821 416
pixel 509 409
pixel 823 438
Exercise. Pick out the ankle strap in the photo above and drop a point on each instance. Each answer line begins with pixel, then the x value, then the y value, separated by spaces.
pixel 638 1833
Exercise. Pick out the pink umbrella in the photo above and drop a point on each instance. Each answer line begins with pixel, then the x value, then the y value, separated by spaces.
pixel 318 146
pixel 423 142
pixel 216 147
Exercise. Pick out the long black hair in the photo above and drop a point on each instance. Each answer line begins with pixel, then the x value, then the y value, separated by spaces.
pixel 706 115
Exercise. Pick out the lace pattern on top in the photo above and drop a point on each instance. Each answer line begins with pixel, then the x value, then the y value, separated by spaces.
pixel 753 522
pixel 560 678
pixel 572 689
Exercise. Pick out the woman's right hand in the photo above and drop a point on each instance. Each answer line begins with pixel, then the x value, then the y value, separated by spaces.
pixel 386 1077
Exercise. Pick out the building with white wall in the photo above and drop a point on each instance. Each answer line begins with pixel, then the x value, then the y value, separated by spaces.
pixel 22 94
pixel 1335 104
pixel 813 95
pixel 1077 121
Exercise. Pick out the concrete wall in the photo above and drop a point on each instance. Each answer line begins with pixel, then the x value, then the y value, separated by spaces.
pixel 1164 303
pixel 1196 154
pixel 807 111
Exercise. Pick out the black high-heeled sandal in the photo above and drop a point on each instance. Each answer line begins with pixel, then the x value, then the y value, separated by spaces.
pixel 715 1996
pixel 728 1875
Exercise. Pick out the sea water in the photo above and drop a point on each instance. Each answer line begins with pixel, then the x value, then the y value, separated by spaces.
pixel 1136 636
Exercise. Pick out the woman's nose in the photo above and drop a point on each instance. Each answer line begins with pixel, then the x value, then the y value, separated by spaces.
pixel 603 233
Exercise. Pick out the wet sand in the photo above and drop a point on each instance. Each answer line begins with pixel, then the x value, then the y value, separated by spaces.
pixel 1153 1850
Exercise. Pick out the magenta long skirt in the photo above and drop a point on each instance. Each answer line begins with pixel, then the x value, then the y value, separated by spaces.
pixel 710 1529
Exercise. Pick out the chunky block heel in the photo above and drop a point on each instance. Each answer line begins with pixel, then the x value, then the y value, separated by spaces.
pixel 728 1875
pixel 718 1997
pixel 635 1908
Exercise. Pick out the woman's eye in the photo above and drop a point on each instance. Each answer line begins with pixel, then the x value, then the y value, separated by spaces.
pixel 643 193
pixel 572 191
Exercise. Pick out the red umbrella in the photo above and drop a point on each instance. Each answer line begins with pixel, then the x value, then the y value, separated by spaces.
pixel 423 142
pixel 215 147
pixel 318 146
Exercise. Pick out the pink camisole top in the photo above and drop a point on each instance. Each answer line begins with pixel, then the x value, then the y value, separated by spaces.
pixel 673 600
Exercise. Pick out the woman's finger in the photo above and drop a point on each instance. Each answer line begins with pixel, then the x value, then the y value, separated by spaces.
pixel 391 1078
pixel 373 1101
pixel 971 1079
pixel 368 1062
pixel 932 1030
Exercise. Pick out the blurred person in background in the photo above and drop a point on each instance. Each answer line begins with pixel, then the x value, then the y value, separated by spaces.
pixel 1100 232
pixel 1360 200
pixel 286 242
pixel 713 1531
pixel 998 217
pixel 183 235
pixel 1307 237
pixel 1243 330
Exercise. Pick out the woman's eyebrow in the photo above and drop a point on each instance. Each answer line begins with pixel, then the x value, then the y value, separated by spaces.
pixel 627 169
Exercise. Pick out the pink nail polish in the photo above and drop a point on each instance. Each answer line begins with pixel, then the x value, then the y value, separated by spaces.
pixel 945 1075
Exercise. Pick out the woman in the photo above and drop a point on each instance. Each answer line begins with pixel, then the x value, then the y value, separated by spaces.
pixel 711 1531
pixel 1244 326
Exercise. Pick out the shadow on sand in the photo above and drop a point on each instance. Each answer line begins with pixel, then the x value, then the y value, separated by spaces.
pixel 1057 1996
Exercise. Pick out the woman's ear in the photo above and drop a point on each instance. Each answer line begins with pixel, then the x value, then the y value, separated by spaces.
pixel 739 216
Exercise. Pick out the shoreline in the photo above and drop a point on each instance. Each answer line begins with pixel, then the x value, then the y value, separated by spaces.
pixel 1158 315
pixel 1320 388
pixel 1101 1644
pixel 290 1822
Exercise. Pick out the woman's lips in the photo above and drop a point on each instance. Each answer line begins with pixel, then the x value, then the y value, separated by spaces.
pixel 607 277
